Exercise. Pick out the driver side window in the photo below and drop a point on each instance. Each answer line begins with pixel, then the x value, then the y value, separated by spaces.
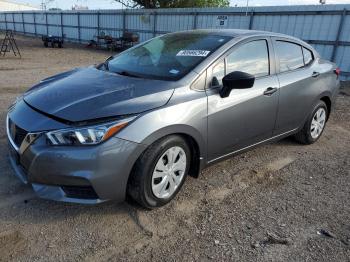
pixel 251 58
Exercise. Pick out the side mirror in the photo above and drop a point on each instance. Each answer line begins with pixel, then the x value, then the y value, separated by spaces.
pixel 236 80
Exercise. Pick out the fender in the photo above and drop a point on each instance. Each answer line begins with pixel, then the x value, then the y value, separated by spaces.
pixel 315 101
pixel 187 117
pixel 181 130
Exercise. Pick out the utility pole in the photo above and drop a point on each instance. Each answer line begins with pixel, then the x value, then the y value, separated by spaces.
pixel 246 12
pixel 44 4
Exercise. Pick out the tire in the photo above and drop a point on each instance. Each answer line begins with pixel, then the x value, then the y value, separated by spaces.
pixel 59 45
pixel 143 183
pixel 53 44
pixel 305 135
pixel 46 44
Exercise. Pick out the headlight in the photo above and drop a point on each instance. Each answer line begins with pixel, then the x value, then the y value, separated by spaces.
pixel 86 135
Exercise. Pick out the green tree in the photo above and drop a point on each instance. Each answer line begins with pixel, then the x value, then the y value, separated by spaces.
pixel 173 3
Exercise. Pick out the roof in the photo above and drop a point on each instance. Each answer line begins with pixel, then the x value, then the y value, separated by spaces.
pixel 242 33
pixel 234 32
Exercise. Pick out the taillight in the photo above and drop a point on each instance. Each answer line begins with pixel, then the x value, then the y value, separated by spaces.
pixel 337 71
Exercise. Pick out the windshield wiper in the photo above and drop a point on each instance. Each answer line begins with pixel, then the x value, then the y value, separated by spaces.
pixel 125 73
pixel 106 63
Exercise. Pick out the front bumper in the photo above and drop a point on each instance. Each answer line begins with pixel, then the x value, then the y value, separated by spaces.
pixel 85 174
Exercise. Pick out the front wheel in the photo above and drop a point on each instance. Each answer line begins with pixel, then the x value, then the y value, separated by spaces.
pixel 314 126
pixel 160 172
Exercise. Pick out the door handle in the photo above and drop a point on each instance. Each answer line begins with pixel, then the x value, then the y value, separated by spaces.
pixel 269 91
pixel 315 74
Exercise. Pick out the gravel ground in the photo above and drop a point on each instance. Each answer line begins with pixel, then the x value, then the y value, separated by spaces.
pixel 279 202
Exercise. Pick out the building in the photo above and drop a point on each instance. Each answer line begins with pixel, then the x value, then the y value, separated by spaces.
pixel 79 7
pixel 12 6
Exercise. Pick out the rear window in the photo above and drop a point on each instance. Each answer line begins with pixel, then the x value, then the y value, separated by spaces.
pixel 290 56
pixel 169 57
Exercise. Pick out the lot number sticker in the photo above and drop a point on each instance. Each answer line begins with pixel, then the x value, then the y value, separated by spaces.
pixel 193 53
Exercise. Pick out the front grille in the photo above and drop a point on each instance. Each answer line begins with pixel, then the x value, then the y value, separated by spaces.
pixel 82 192
pixel 17 134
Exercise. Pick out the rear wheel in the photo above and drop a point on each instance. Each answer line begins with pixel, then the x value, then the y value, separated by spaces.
pixel 160 172
pixel 314 126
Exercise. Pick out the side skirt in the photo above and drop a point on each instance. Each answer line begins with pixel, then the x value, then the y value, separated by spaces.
pixel 269 140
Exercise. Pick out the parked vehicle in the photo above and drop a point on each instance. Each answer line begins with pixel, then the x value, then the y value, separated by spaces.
pixel 142 121
pixel 53 40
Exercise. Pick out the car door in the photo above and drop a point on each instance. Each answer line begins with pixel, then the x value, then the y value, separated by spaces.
pixel 246 116
pixel 298 77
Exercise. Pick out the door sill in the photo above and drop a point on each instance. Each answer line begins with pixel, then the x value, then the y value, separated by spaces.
pixel 253 145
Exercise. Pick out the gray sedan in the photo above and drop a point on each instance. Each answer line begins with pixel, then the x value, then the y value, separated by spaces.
pixel 136 125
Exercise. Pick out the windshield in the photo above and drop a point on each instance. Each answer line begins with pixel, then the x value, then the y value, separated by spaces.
pixel 169 57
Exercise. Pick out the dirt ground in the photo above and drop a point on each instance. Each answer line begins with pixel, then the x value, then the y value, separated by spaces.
pixel 279 202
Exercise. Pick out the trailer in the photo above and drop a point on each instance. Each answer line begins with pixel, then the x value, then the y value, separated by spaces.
pixel 53 41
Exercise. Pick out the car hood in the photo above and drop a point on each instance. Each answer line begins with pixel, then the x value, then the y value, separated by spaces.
pixel 88 94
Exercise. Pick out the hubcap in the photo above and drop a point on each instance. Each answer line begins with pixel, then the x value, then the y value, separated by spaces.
pixel 169 172
pixel 318 122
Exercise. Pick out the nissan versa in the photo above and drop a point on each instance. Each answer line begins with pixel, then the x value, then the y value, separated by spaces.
pixel 136 125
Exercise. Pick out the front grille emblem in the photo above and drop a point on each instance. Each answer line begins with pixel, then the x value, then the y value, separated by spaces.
pixel 19 138
pixel 27 141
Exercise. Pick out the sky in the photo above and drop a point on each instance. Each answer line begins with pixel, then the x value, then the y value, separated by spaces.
pixel 110 4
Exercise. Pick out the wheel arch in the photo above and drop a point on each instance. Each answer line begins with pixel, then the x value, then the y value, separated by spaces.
pixel 326 98
pixel 328 103
pixel 194 139
pixel 189 134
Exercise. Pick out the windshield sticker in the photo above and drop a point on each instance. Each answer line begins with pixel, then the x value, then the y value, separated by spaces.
pixel 193 53
pixel 174 71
